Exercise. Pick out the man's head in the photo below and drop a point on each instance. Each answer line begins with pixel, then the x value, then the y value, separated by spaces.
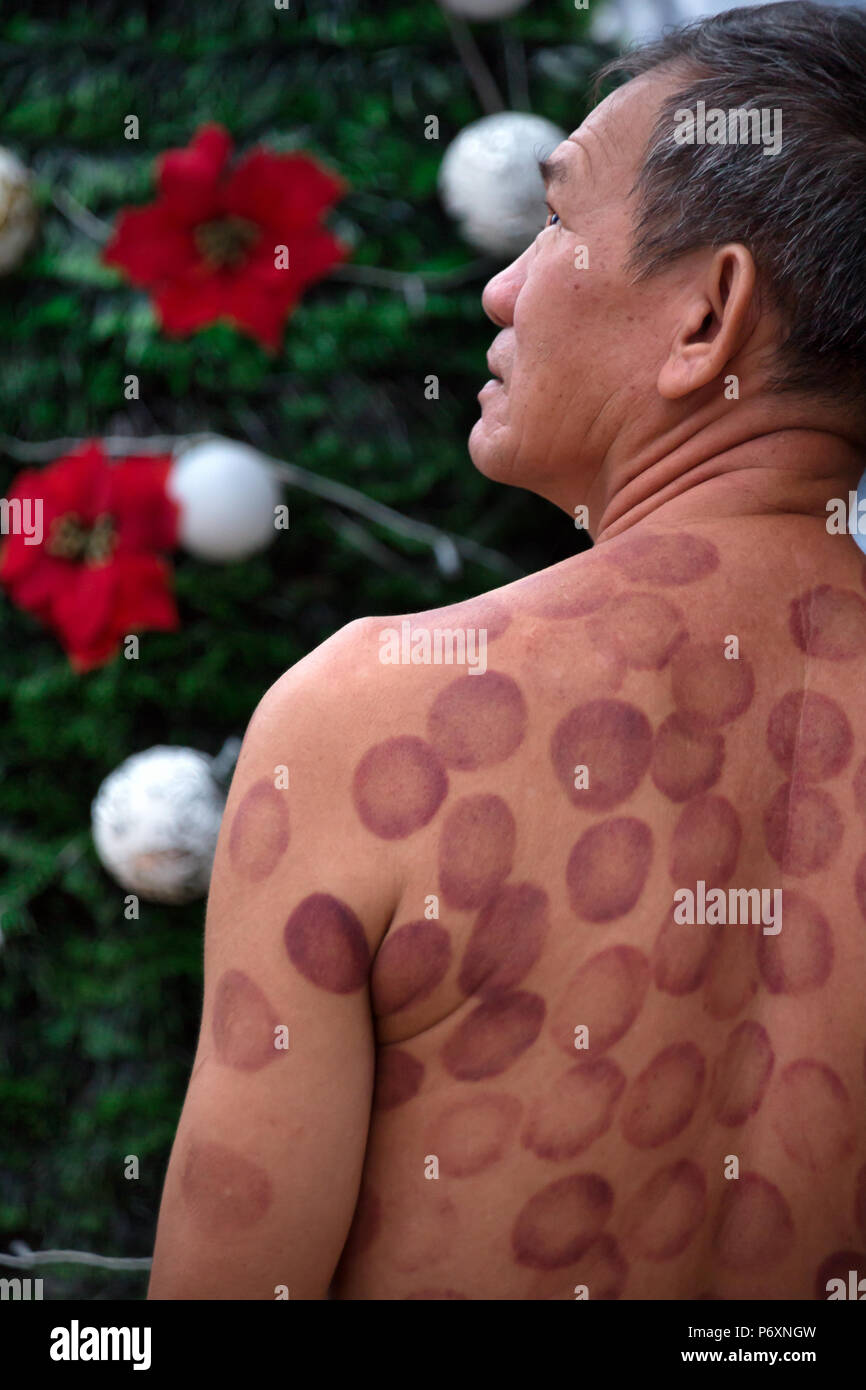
pixel 667 268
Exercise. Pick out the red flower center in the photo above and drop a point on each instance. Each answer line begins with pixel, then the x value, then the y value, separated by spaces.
pixel 70 539
pixel 226 240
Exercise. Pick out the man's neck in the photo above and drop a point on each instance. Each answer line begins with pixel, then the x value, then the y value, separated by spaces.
pixel 730 468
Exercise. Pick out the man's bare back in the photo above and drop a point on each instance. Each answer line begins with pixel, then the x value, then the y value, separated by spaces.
pixel 459 1038
pixel 573 1089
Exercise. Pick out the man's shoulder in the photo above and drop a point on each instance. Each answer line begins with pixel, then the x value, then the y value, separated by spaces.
pixel 380 671
pixel 571 586
pixel 421 651
pixel 372 666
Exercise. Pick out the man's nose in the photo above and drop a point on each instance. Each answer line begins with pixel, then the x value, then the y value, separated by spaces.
pixel 501 292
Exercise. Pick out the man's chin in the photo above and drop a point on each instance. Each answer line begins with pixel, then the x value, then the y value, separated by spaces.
pixel 492 451
pixel 486 450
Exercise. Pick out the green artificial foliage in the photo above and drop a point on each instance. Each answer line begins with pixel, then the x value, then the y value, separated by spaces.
pixel 98 1014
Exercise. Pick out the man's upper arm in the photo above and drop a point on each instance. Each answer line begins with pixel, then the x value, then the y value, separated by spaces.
pixel 264 1173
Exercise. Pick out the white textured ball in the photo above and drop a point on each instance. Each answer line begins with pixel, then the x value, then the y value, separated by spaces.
pixel 227 494
pixel 624 21
pixel 155 823
pixel 19 217
pixel 489 180
pixel 484 9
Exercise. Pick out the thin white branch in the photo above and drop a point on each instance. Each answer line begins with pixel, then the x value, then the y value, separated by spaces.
pixel 29 1259
pixel 441 542
pixel 474 65
pixel 80 216
pixel 48 449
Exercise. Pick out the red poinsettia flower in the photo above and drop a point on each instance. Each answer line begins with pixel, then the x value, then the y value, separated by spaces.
pixel 210 246
pixel 93 576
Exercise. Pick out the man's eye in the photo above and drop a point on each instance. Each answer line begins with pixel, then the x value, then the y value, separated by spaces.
pixel 551 215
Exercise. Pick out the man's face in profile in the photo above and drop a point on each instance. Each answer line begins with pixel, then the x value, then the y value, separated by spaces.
pixel 580 345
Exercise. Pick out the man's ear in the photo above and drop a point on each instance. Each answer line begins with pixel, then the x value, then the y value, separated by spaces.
pixel 718 319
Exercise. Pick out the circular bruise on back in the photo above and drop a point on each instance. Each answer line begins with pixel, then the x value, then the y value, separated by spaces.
pixel 665 1214
pixel 409 964
pixel 732 976
pixel 645 628
pixel 419 1220
pixel 809 736
pixel 605 995
pixel 829 623
pixel 705 843
pixel 682 954
pixel 327 945
pixel 576 1108
pixel 476 849
pixel 602 1270
pixel 613 740
pixel 260 831
pixel 666 558
pixel 687 758
pixel 662 1100
pixel 802 829
pixel 812 1115
pixel 546 662
pixel 557 1225
pixel 607 868
pixel 741 1074
pixel 604 672
pixel 707 686
pixel 398 1078
pixel 470 1136
pixel 477 721
pixel 799 958
pixel 398 787
pixel 506 941
pixel 224 1192
pixel 243 1023
pixel 754 1228
pixel 493 1036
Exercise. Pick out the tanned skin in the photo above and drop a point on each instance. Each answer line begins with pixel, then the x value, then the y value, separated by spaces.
pixel 510 1073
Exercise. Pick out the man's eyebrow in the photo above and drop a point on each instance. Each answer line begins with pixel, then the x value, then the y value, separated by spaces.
pixel 553 171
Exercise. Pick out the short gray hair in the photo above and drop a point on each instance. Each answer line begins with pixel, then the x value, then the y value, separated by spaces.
pixel 801 212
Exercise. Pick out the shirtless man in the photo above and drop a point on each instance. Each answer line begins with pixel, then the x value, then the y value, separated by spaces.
pixel 457 1039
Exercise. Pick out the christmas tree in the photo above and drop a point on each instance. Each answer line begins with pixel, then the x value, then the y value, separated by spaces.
pixel 99 1009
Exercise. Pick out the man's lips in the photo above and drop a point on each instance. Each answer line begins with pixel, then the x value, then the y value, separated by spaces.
pixel 493 384
pixel 497 378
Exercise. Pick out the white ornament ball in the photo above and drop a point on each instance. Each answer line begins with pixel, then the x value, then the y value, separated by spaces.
pixel 627 21
pixel 484 9
pixel 19 217
pixel 155 823
pixel 489 180
pixel 227 494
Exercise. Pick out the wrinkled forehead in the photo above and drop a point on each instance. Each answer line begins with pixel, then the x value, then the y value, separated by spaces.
pixel 605 152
